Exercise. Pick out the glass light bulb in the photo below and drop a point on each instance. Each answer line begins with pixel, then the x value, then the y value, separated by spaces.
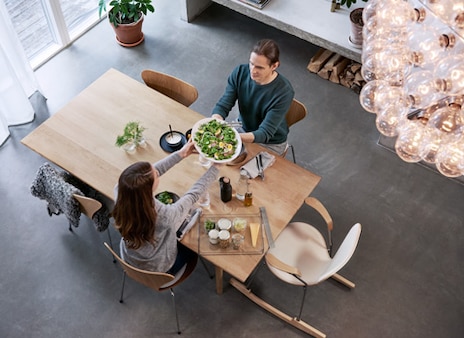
pixel 449 11
pixel 449 120
pixel 425 45
pixel 395 13
pixel 408 143
pixel 374 29
pixel 391 65
pixel 431 143
pixel 389 117
pixel 449 73
pixel 420 87
pixel 450 159
pixel 367 96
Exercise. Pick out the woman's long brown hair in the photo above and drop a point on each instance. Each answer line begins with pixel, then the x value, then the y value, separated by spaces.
pixel 134 212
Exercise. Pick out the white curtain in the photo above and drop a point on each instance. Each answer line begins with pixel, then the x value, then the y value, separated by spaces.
pixel 17 80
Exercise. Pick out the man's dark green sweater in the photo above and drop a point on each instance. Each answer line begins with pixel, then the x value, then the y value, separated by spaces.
pixel 262 107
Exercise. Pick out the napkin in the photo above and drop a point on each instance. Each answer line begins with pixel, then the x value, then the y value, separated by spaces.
pixel 251 167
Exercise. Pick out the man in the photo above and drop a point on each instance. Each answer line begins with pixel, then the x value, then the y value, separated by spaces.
pixel 264 97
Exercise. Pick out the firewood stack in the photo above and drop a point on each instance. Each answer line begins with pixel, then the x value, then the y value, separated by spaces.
pixel 337 69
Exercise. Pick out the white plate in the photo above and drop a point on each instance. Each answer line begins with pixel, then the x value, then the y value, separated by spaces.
pixel 237 149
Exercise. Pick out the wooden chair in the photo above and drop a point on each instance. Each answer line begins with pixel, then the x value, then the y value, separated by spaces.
pixel 158 281
pixel 175 88
pixel 89 206
pixel 302 257
pixel 296 113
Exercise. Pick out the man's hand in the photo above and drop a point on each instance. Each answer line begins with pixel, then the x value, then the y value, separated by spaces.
pixel 217 117
pixel 247 137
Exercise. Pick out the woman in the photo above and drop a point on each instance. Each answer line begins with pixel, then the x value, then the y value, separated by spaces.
pixel 147 226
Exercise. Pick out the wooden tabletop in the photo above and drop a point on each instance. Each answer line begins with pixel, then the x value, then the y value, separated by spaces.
pixel 80 138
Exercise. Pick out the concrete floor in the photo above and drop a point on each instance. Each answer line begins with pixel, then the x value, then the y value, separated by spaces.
pixel 407 268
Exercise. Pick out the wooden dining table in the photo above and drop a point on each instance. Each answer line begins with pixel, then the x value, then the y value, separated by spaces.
pixel 80 138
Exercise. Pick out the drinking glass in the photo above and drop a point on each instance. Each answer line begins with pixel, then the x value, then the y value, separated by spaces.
pixel 204 200
pixel 204 161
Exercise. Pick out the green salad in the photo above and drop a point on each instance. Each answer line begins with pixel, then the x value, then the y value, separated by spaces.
pixel 216 140
pixel 165 197
pixel 209 225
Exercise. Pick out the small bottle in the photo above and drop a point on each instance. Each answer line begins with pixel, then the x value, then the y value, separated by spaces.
pixel 241 188
pixel 248 196
pixel 226 189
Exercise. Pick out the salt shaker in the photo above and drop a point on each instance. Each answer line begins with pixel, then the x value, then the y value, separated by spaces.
pixel 226 189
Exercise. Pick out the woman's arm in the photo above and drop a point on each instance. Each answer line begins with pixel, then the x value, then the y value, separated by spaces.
pixel 168 162
pixel 175 213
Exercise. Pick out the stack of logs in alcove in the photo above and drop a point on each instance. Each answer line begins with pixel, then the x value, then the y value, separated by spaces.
pixel 337 69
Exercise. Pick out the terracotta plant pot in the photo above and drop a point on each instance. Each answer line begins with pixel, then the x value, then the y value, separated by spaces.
pixel 356 37
pixel 129 35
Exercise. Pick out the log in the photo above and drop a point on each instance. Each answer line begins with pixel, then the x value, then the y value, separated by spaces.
pixel 337 70
pixel 355 67
pixel 358 78
pixel 326 71
pixel 319 60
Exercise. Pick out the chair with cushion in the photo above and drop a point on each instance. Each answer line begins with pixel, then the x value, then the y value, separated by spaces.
pixel 175 88
pixel 296 113
pixel 302 257
pixel 158 281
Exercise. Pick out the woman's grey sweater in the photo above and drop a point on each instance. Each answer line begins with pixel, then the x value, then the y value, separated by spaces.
pixel 161 255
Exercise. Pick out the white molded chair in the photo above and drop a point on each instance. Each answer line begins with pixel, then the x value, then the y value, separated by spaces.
pixel 302 257
pixel 175 88
pixel 158 281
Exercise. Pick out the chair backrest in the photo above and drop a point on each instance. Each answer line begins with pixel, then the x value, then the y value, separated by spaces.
pixel 177 89
pixel 153 280
pixel 296 113
pixel 344 252
pixel 88 206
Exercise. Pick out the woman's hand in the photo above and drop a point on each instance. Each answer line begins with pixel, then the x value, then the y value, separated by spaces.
pixel 187 149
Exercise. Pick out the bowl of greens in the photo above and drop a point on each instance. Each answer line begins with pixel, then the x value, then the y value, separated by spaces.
pixel 216 141
pixel 167 197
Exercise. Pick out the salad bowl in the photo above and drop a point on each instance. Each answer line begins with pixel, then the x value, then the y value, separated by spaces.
pixel 216 141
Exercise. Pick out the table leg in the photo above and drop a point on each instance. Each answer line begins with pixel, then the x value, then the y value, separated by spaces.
pixel 219 273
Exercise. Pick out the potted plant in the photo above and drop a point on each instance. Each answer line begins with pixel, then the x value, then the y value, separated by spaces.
pixel 356 19
pixel 132 137
pixel 126 18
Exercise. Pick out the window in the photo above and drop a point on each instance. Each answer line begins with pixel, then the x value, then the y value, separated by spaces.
pixel 45 27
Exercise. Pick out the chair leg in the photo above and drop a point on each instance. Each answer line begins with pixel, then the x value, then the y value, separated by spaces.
pixel 111 242
pixel 299 324
pixel 344 281
pixel 250 279
pixel 175 309
pixel 293 153
pixel 122 288
pixel 302 303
